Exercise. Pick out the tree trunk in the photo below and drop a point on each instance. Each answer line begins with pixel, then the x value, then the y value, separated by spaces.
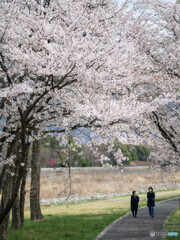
pixel 22 199
pixel 4 228
pixel 35 182
pixel 16 214
pixel 6 195
pixel 18 206
pixel 6 192
pixel 15 185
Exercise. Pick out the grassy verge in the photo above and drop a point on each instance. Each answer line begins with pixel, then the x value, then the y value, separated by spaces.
pixel 173 224
pixel 82 221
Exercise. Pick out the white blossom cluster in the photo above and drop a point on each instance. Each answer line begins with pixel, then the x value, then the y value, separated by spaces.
pixel 85 65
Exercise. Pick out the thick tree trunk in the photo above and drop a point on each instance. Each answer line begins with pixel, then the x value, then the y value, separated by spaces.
pixel 5 211
pixel 16 214
pixel 4 228
pixel 35 182
pixel 6 195
pixel 6 192
pixel 15 185
pixel 18 206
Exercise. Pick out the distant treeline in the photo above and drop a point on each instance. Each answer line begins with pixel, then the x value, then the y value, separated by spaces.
pixel 134 153
pixel 51 155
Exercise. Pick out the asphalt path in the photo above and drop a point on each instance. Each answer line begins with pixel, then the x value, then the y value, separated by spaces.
pixel 143 227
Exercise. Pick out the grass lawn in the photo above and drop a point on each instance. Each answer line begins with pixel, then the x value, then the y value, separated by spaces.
pixel 174 224
pixel 80 221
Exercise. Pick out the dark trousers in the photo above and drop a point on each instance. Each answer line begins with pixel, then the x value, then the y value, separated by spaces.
pixel 134 211
pixel 151 211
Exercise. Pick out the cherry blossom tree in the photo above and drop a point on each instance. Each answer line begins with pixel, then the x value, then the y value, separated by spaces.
pixel 67 65
pixel 157 39
pixel 55 58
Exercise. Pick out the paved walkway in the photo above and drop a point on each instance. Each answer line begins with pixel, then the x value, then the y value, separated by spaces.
pixel 128 227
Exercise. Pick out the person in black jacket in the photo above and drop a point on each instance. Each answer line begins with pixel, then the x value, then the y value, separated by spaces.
pixel 151 201
pixel 134 203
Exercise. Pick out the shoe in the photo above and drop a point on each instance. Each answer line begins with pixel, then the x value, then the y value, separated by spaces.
pixel 135 216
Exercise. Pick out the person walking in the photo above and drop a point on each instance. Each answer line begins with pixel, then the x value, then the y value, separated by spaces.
pixel 134 203
pixel 151 201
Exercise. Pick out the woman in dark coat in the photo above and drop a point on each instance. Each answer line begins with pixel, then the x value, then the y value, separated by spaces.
pixel 151 201
pixel 134 203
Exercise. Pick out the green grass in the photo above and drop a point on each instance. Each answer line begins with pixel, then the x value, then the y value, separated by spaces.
pixel 83 221
pixel 173 224
pixel 72 227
